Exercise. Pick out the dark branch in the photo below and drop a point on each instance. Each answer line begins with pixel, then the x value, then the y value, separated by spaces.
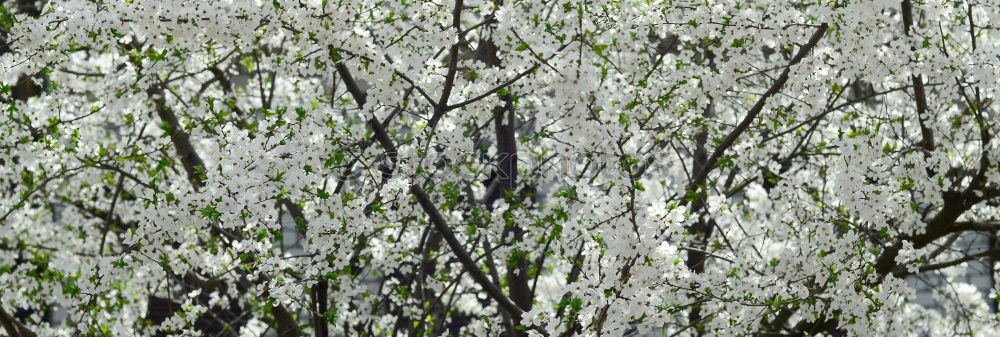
pixel 702 175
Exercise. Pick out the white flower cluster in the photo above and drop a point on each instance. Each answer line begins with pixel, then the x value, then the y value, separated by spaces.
pixel 484 168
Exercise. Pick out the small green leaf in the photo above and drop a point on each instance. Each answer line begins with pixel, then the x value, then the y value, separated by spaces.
pixel 210 212
pixel 331 317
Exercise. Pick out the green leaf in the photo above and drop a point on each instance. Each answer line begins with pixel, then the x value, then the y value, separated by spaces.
pixel 331 317
pixel 300 224
pixel 209 212
pixel 600 48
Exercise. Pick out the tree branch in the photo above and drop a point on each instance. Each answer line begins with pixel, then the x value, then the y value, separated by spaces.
pixel 180 139
pixel 918 84
pixel 477 273
pixel 494 90
pixel 13 327
pixel 702 175
pixel 941 265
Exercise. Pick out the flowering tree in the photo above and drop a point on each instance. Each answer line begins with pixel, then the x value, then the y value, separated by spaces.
pixel 486 168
